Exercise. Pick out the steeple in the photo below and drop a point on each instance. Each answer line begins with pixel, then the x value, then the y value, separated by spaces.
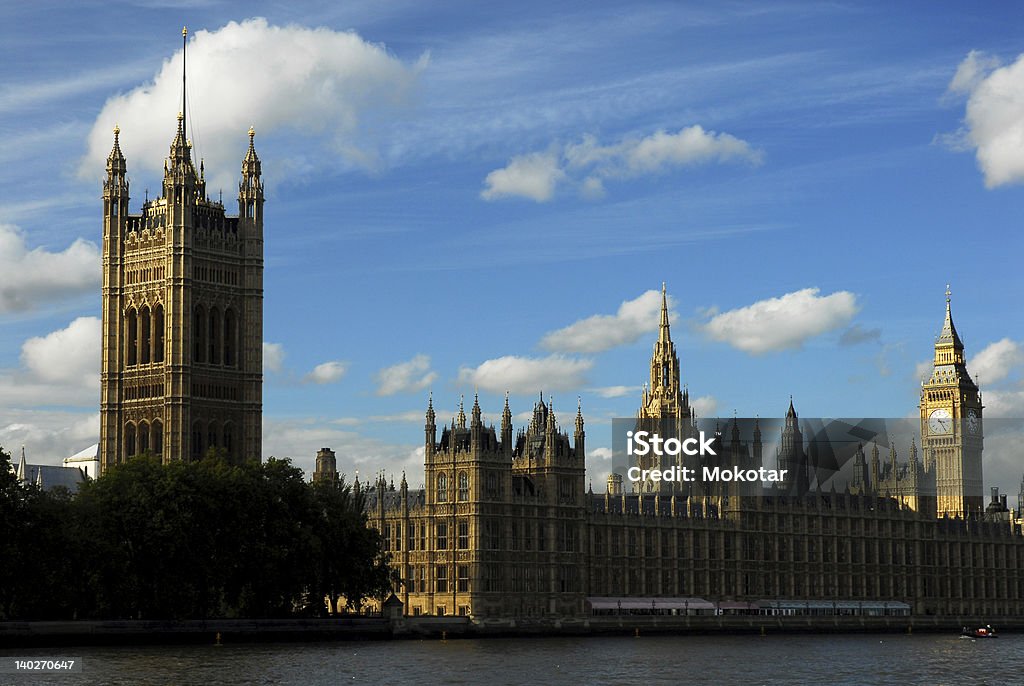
pixel 22 465
pixel 506 428
pixel 115 160
pixel 949 349
pixel 462 413
pixel 430 428
pixel 251 162
pixel 664 398
pixel 664 335
pixel 476 411
pixel 949 336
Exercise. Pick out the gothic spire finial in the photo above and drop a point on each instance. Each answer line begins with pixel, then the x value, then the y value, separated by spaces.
pixel 664 335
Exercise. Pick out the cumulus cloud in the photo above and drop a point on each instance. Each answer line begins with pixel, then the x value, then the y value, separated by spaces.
pixel 588 164
pixel 532 176
pixel 527 374
pixel 616 391
pixel 601 332
pixel 996 361
pixel 67 356
pixel 705 406
pixel 48 436
pixel 327 372
pixel 300 439
pixel 31 277
pixel 1005 404
pixel 321 82
pixel 406 377
pixel 273 357
pixel 782 323
pixel 994 116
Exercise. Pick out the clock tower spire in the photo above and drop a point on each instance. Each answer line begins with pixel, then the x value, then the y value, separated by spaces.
pixel 951 435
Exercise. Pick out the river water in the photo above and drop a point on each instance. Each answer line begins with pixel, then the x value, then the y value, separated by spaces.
pixel 854 660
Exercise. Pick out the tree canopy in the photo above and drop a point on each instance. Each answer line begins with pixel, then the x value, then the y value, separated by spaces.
pixel 185 540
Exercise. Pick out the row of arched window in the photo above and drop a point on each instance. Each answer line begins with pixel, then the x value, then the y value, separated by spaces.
pixel 143 438
pixel 214 336
pixel 442 487
pixel 212 435
pixel 144 334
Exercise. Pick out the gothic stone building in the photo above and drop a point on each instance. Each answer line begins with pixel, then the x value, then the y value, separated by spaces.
pixel 182 314
pixel 505 528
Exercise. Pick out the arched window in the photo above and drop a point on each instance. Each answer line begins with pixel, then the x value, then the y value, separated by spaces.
pixel 132 336
pixel 157 437
pixel 129 439
pixel 158 333
pixel 442 488
pixel 197 441
pixel 463 486
pixel 211 435
pixel 229 338
pixel 143 437
pixel 199 334
pixel 214 335
pixel 229 440
pixel 144 344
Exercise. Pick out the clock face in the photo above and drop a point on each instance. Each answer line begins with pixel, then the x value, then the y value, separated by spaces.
pixel 973 421
pixel 940 422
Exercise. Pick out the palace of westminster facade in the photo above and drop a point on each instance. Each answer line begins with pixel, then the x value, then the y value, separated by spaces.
pixel 505 526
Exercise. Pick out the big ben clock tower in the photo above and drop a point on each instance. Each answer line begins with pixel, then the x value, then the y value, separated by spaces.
pixel 951 432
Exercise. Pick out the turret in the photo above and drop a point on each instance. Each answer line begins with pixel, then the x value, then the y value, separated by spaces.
pixel 579 436
pixel 430 428
pixel 876 469
pixel 506 429
pixel 250 189
pixel 476 425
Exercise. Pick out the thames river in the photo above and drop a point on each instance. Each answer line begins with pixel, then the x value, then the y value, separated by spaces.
pixel 855 660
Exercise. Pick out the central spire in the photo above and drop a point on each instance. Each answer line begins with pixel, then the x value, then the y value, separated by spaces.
pixel 665 398
pixel 664 335
pixel 184 46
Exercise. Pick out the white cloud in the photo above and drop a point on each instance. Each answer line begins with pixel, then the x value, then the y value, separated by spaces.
pixel 705 406
pixel 327 372
pixel 273 356
pixel 1005 404
pixel 994 117
pixel 616 391
pixel 407 377
pixel 971 72
pixel 533 176
pixel 31 277
pixel 301 438
pixel 602 332
pixel 588 164
pixel 782 323
pixel 321 82
pixel 48 436
pixel 996 361
pixel 67 356
pixel 527 374
pixel 923 370
pixel 599 466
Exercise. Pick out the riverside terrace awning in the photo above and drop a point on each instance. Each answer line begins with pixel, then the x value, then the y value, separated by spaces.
pixel 649 605
pixel 831 607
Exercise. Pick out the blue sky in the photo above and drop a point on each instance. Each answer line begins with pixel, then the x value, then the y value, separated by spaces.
pixel 456 189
